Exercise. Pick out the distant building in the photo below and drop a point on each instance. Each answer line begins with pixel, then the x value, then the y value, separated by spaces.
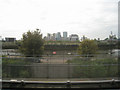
pixel 83 38
pixel 65 34
pixel 50 37
pixel 64 38
pixel 7 39
pixel 74 37
pixel 53 37
pixel 58 36
pixel 112 38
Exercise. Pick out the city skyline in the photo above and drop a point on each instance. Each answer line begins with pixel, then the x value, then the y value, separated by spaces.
pixel 61 37
pixel 92 18
pixel 66 37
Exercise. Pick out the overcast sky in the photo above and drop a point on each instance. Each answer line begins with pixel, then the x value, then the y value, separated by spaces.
pixel 92 18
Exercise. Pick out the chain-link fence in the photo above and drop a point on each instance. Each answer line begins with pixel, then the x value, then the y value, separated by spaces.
pixel 51 71
pixel 57 67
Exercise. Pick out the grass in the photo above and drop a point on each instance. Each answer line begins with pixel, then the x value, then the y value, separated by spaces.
pixel 15 61
pixel 93 61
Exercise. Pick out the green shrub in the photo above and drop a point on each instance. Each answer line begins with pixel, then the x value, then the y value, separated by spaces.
pixel 14 68
pixel 95 69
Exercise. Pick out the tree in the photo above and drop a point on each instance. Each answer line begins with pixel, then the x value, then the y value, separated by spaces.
pixel 32 44
pixel 88 48
pixel 106 39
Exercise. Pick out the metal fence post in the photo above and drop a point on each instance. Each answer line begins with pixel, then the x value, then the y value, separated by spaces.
pixel 68 70
pixel 68 85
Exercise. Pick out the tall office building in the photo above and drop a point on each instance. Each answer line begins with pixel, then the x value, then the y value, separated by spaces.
pixel 48 36
pixel 64 34
pixel 58 36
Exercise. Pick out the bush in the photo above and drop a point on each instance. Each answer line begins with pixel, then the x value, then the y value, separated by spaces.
pixel 98 68
pixel 14 68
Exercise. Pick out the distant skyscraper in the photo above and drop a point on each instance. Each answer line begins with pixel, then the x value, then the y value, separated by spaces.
pixel 58 36
pixel 48 36
pixel 64 34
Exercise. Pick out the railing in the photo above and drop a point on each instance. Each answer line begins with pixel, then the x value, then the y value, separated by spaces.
pixel 11 84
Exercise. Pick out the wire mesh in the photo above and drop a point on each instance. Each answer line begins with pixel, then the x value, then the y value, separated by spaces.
pixel 57 67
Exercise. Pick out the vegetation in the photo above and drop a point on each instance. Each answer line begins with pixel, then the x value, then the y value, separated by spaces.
pixel 87 48
pixel 62 42
pixel 93 60
pixel 32 44
pixel 9 45
pixel 95 68
pixel 49 44
pixel 15 68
